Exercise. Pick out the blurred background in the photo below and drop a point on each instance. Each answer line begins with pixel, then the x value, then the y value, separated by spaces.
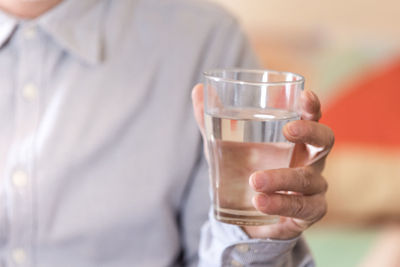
pixel 349 53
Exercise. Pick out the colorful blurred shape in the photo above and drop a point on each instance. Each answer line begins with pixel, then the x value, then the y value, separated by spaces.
pixel 368 111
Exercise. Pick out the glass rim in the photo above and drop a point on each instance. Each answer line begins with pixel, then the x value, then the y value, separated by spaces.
pixel 211 74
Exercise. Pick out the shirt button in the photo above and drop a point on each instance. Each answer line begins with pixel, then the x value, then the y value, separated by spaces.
pixel 235 263
pixel 30 31
pixel 20 178
pixel 29 92
pixel 19 256
pixel 243 248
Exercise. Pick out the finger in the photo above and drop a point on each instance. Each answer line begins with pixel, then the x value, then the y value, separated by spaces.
pixel 303 180
pixel 309 132
pixel 310 106
pixel 309 208
pixel 198 106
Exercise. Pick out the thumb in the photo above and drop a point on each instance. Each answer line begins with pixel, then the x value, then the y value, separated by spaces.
pixel 198 106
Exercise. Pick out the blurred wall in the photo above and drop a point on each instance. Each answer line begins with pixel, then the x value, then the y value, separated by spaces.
pixel 343 19
pixel 330 42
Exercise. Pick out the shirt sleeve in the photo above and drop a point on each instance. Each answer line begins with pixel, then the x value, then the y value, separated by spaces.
pixel 227 245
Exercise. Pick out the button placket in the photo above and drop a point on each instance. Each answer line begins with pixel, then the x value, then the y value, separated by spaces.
pixel 21 168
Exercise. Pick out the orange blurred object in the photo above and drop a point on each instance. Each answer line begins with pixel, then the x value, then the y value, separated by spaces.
pixel 368 111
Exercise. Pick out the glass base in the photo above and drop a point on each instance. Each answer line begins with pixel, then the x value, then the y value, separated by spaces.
pixel 244 217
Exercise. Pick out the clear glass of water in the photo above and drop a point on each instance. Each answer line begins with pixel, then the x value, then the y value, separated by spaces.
pixel 245 111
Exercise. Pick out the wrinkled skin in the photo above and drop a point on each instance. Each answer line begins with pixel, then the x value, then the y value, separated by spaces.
pixel 307 204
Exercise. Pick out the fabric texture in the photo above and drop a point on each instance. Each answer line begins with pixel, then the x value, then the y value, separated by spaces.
pixel 100 157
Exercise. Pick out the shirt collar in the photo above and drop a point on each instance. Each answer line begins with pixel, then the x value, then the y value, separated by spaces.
pixel 75 25
pixel 7 26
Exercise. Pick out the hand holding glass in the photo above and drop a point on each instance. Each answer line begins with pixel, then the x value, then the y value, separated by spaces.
pixel 245 111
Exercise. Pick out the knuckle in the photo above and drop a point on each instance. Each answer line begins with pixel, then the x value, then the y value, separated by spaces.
pixel 299 206
pixel 305 176
pixel 301 172
pixel 306 184
pixel 320 210
pixel 325 185
pixel 331 138
pixel 323 210
pixel 316 108
pixel 319 115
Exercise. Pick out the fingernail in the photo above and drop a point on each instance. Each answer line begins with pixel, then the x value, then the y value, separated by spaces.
pixel 293 130
pixel 261 200
pixel 256 182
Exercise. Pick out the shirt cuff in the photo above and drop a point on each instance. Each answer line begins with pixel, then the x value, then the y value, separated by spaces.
pixel 238 249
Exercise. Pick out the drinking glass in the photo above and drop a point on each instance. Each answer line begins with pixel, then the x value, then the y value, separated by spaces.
pixel 245 111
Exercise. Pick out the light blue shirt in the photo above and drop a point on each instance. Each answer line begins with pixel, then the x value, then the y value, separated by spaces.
pixel 100 157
